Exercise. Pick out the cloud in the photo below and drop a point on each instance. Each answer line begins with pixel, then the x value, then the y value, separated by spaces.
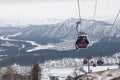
pixel 27 1
pixel 34 10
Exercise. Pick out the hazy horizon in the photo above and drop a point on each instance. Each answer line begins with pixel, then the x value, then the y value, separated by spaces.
pixel 33 11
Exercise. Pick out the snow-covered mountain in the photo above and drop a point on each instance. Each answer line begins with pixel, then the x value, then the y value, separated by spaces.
pixel 64 34
pixel 56 41
pixel 96 30
pixel 41 43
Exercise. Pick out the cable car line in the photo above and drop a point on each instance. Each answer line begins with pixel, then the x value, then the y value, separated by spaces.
pixel 100 61
pixel 113 25
pixel 95 10
pixel 79 10
pixel 94 15
pixel 82 41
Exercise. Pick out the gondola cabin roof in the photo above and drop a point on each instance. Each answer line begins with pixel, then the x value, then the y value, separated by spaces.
pixel 82 34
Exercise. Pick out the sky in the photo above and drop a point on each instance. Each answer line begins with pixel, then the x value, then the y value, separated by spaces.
pixel 35 11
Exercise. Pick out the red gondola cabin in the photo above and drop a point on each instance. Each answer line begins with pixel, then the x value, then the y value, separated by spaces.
pixel 82 42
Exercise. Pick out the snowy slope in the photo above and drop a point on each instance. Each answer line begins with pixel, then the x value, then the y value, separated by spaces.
pixel 62 73
pixel 99 72
pixel 66 30
pixel 63 35
pixel 67 27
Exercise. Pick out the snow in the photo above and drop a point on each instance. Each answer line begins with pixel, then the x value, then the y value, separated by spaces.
pixel 68 67
pixel 117 55
pixel 4 38
pixel 22 47
pixel 14 35
pixel 102 68
pixel 8 44
pixel 65 45
pixel 23 23
pixel 3 55
pixel 109 74
pixel 2 50
pixel 21 69
pixel 95 30
pixel 62 73
pixel 38 46
pixel 100 72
